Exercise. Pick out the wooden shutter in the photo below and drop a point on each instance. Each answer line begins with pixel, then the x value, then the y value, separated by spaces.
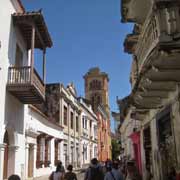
pixel 38 153
pixel 56 152
pixel 46 152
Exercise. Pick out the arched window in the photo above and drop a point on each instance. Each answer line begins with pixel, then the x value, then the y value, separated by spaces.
pixel 96 100
pixel 95 85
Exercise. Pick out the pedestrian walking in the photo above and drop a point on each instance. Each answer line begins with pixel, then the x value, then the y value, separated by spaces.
pixel 62 167
pixel 58 174
pixel 94 172
pixel 70 175
pixel 114 173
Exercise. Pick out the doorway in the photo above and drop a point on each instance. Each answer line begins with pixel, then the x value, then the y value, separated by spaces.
pixel 30 161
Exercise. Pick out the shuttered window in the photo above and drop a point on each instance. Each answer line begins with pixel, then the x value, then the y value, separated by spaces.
pixel 65 115
pixel 77 124
pixel 42 149
pixel 38 153
pixel 47 152
pixel 57 152
pixel 72 116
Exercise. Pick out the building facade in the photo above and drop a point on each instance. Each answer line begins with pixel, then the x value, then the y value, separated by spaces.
pixel 89 133
pixel 43 143
pixel 97 92
pixel 63 107
pixel 30 143
pixel 78 121
pixel 154 100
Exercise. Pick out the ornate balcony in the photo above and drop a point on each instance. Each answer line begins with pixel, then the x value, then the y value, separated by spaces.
pixel 25 84
pixel 160 32
pixel 23 81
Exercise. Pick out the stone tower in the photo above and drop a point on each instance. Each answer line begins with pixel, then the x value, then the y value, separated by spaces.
pixel 96 88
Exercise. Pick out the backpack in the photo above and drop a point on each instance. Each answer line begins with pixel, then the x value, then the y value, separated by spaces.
pixel 96 174
pixel 70 176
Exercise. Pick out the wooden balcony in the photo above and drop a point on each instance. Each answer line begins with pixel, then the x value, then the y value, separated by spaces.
pixel 160 32
pixel 26 85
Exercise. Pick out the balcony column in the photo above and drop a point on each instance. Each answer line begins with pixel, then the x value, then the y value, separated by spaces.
pixel 44 65
pixel 32 51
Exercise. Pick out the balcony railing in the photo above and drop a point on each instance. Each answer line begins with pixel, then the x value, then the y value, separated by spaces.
pixel 160 28
pixel 147 40
pixel 25 84
pixel 19 75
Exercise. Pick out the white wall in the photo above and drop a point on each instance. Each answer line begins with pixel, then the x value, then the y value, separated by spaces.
pixel 36 123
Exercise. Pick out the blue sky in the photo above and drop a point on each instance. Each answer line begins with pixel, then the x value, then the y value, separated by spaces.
pixel 85 34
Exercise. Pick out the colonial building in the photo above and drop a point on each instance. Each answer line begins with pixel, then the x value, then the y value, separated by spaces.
pixel 97 92
pixel 89 133
pixel 155 76
pixel 43 143
pixel 30 142
pixel 64 107
pixel 78 121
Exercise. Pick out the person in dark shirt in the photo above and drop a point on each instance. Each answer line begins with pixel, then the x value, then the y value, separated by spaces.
pixel 94 172
pixel 70 175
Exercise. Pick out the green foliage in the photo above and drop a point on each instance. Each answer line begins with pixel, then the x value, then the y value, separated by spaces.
pixel 115 148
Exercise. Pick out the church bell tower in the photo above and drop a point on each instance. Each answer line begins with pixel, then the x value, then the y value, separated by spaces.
pixel 96 89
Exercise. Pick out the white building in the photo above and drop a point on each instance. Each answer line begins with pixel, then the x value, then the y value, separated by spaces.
pixel 66 110
pixel 88 132
pixel 43 143
pixel 28 138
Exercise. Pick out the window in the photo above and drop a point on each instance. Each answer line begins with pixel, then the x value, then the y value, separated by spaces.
pixel 95 131
pixel 86 153
pixel 77 124
pixel 95 85
pixel 42 149
pixel 95 151
pixel 65 115
pixel 59 151
pixel 49 151
pixel 84 121
pixel 72 116
pixel 90 124
pixel 96 100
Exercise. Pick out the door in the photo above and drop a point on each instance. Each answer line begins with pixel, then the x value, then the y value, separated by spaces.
pixel 18 64
pixel 30 161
